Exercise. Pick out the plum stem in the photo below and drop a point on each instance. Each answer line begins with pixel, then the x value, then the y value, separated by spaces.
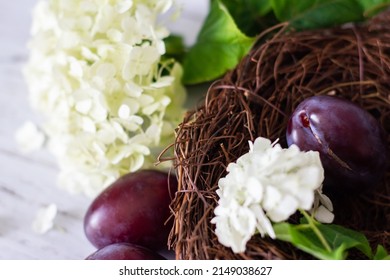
pixel 339 160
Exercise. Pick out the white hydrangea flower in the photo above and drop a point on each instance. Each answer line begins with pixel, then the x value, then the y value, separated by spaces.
pixel 96 72
pixel 267 184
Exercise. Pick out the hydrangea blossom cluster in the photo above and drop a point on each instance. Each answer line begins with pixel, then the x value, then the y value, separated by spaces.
pixel 267 184
pixel 96 72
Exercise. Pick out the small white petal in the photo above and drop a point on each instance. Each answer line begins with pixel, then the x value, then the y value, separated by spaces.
pixel 100 148
pixel 311 176
pixel 88 125
pixel 69 40
pixel 84 106
pixel 325 201
pixel 163 82
pixel 76 69
pixel 153 132
pixel 44 219
pixel 29 137
pixel 106 71
pixel 271 198
pixel 160 45
pixel 254 191
pixel 306 199
pixel 165 101
pixel 124 111
pixel 136 162
pixel 115 35
pixel 133 90
pixel 285 208
pixel 84 23
pixel 123 6
pixel 88 54
pixel 164 5
pixel 145 100
pixel 323 215
pixel 261 144
pixel 150 109
pixel 263 223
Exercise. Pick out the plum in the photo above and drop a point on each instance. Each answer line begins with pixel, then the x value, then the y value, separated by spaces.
pixel 351 142
pixel 124 251
pixel 133 209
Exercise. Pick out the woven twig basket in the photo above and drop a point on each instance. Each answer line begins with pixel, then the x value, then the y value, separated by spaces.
pixel 256 99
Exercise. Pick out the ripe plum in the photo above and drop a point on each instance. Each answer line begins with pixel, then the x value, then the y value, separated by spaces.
pixel 351 142
pixel 124 251
pixel 133 209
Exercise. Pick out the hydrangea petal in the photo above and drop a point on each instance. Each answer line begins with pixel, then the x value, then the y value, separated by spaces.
pixel 323 215
pixel 44 219
pixel 29 137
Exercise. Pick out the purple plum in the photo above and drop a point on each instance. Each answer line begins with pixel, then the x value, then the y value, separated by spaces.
pixel 133 209
pixel 351 142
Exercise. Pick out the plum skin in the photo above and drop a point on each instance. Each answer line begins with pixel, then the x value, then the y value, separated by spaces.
pixel 351 142
pixel 133 209
pixel 124 251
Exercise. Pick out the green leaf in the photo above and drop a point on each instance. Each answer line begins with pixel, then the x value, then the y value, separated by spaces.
pixel 174 47
pixel 306 241
pixel 339 239
pixel 372 7
pixel 339 236
pixel 251 16
pixel 381 254
pixel 219 47
pixel 317 13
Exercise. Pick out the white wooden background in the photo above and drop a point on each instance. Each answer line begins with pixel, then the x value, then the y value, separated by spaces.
pixel 29 182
